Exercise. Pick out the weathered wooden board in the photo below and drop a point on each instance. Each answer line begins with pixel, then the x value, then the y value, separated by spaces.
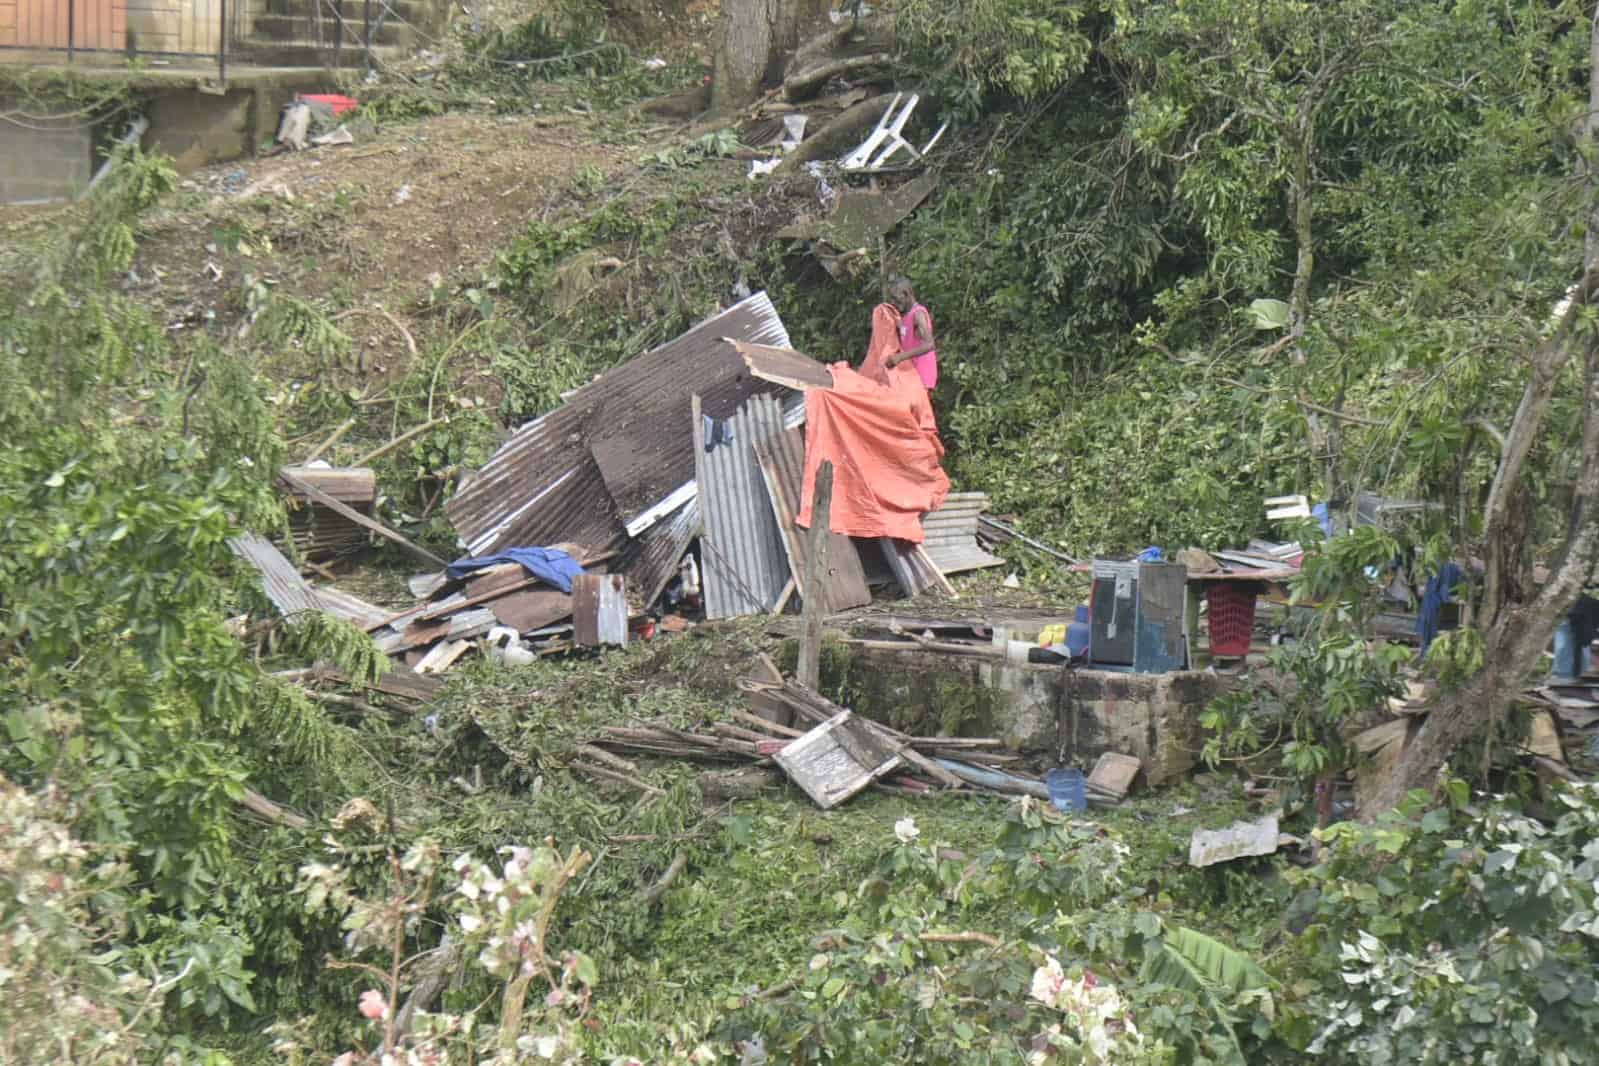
pixel 837 759
pixel 1113 774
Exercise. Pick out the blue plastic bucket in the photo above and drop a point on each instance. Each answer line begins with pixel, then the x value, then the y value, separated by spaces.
pixel 1066 789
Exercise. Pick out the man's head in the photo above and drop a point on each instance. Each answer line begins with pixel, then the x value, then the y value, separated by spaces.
pixel 899 291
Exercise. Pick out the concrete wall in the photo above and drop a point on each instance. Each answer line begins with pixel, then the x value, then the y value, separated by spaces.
pixel 44 160
pixel 1035 709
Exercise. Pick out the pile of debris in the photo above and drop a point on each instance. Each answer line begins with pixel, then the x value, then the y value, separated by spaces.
pixel 669 483
pixel 833 754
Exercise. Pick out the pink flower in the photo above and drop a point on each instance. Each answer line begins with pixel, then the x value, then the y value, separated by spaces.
pixel 555 998
pixel 373 1005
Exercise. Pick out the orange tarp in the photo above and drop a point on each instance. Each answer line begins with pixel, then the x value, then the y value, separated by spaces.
pixel 876 428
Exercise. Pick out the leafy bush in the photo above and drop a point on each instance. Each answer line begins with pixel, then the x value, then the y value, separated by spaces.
pixel 1463 934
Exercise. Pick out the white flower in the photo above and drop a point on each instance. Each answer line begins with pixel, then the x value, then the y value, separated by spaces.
pixel 471 923
pixel 546 1046
pixel 906 830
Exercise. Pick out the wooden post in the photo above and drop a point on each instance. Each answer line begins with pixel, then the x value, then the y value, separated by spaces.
pixel 810 652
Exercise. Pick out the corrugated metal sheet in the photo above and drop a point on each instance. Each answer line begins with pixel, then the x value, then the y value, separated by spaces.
pixel 284 586
pixel 741 548
pixel 352 609
pixel 651 559
pixel 912 568
pixel 618 447
pixel 951 533
pixel 782 461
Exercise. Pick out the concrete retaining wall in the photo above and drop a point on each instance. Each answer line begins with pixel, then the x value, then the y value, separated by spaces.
pixel 45 159
pixel 1042 710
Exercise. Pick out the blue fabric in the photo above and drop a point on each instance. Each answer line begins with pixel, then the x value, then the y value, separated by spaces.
pixel 1150 555
pixel 550 565
pixel 1323 519
pixel 1439 591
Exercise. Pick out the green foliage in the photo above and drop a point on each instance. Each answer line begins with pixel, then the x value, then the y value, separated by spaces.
pixel 1454 933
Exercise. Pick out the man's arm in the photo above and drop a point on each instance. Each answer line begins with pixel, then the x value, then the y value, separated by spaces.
pixel 923 334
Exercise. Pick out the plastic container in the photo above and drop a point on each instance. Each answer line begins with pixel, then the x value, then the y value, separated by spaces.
pixel 1232 617
pixel 1078 634
pixel 1066 790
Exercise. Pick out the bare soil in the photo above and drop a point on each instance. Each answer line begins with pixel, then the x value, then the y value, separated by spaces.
pixel 378 224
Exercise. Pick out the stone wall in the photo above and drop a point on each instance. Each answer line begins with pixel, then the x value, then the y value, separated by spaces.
pixel 45 159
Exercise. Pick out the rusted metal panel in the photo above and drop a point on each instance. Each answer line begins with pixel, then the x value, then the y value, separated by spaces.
pixel 741 547
pixel 548 491
pixel 651 559
pixel 782 366
pixel 532 609
pixel 951 533
pixel 599 609
pixel 782 462
pixel 913 569
pixel 284 586
pixel 615 449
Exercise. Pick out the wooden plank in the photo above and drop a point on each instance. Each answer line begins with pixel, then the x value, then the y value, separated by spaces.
pixel 359 519
pixel 599 610
pixel 782 462
pixel 351 484
pixel 443 656
pixel 1114 772
pixel 479 598
pixel 782 366
pixel 532 609
pixel 810 650
pixel 827 761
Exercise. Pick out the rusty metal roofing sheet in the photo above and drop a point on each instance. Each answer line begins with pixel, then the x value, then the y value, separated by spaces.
pixel 783 366
pixel 951 533
pixel 782 461
pixel 913 569
pixel 618 446
pixel 651 558
pixel 741 548
pixel 283 584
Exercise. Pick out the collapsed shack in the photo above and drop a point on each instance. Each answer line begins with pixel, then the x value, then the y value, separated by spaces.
pixel 673 482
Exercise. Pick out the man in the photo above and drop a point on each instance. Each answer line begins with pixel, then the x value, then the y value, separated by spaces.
pixel 915 333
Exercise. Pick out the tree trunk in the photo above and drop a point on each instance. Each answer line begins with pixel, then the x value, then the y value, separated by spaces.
pixel 757 40
pixel 1516 634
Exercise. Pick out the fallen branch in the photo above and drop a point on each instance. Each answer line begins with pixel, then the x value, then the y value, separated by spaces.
pixel 410 342
pixel 807 82
pixel 332 439
pixel 658 889
pixel 620 779
pixel 256 803
pixel 415 431
pixel 961 938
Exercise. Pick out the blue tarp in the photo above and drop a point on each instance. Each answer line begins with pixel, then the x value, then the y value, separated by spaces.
pixel 550 565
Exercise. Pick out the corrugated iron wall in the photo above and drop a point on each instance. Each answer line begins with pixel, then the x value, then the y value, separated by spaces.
pixel 177 27
pixel 741 549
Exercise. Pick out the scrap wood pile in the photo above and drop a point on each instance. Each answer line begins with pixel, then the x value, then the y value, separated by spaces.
pixel 837 753
pixel 1559 718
